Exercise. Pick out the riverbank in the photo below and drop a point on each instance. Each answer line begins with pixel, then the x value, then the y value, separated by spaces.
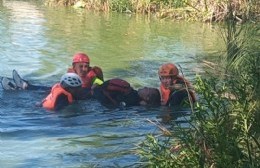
pixel 205 11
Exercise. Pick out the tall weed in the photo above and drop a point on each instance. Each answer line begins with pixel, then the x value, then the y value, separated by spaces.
pixel 222 132
pixel 224 128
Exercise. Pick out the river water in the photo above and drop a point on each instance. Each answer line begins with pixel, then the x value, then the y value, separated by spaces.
pixel 39 42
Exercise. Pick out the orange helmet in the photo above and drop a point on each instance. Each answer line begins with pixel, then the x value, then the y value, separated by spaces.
pixel 80 57
pixel 168 69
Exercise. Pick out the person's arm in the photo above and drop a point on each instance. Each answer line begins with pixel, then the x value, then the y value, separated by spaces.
pixel 96 82
pixel 37 87
pixel 83 94
pixel 130 99
pixel 181 83
pixel 61 102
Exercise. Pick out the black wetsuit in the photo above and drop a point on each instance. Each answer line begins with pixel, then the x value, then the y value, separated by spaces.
pixel 113 98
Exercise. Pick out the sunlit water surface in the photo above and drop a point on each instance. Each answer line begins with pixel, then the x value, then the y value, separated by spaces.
pixel 39 42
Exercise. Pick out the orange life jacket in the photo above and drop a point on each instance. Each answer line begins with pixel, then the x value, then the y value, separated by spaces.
pixel 165 92
pixel 88 79
pixel 50 100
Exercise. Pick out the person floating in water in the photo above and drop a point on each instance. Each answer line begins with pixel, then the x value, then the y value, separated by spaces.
pixel 174 88
pixel 89 75
pixel 112 93
pixel 63 93
pixel 118 92
pixel 80 65
pixel 18 83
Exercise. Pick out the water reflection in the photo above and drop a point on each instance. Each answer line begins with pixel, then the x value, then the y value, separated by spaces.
pixel 21 36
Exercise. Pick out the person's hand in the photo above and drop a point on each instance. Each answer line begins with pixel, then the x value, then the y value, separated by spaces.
pixel 38 104
pixel 93 86
pixel 176 87
pixel 142 103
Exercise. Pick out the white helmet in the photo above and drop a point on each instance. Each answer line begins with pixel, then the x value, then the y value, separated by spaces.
pixel 70 80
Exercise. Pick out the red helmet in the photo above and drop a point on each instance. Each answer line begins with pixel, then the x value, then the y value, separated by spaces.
pixel 80 57
pixel 168 69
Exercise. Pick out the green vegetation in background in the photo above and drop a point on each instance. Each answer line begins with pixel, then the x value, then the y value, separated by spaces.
pixel 224 127
pixel 206 10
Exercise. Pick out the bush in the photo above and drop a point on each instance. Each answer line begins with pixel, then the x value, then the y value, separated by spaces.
pixel 222 132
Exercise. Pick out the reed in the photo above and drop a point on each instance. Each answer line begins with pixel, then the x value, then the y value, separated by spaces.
pixel 224 128
pixel 206 10
pixel 222 133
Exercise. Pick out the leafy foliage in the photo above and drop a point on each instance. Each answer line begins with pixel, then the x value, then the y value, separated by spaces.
pixel 224 128
pixel 222 132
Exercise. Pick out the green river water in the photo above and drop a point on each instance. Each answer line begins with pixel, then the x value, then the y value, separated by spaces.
pixel 39 42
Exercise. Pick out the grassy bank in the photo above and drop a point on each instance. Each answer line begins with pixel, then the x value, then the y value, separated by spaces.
pixel 191 10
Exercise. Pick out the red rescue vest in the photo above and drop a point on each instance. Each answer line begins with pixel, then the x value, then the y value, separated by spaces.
pixel 165 92
pixel 50 100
